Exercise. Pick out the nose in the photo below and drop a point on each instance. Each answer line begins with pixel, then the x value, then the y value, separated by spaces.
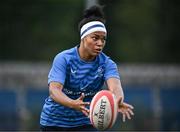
pixel 100 43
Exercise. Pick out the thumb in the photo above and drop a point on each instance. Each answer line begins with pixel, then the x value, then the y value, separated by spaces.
pixel 82 96
pixel 119 100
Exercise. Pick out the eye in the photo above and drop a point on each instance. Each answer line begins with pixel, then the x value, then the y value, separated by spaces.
pixel 95 38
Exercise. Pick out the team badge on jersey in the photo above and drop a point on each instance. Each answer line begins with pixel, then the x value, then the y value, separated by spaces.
pixel 100 71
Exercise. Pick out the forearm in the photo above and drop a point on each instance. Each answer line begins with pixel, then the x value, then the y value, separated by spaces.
pixel 117 90
pixel 55 90
pixel 58 96
pixel 114 85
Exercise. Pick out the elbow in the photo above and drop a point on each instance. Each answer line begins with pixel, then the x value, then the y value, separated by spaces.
pixel 52 93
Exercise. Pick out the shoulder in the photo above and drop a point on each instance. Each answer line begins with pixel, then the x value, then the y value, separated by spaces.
pixel 65 55
pixel 68 52
pixel 105 59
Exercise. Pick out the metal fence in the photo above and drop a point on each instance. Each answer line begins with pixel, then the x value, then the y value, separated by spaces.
pixel 153 89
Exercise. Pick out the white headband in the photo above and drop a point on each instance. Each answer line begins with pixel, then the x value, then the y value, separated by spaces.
pixel 92 26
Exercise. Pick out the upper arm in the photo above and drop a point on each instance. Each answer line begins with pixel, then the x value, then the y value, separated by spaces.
pixel 111 70
pixel 58 70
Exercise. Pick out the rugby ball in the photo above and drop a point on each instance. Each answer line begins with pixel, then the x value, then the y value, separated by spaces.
pixel 103 110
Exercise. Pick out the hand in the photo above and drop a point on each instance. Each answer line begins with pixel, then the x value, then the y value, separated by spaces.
pixel 125 109
pixel 80 105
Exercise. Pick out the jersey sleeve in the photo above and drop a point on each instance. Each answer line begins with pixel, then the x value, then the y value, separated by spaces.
pixel 111 70
pixel 58 70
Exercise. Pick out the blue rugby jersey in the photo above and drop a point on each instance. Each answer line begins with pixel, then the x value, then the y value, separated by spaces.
pixel 77 76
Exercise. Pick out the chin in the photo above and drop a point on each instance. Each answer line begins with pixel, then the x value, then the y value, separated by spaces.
pixel 95 54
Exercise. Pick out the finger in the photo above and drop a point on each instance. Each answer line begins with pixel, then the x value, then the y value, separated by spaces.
pixel 130 111
pixel 124 117
pixel 85 113
pixel 84 109
pixel 127 114
pixel 128 105
pixel 85 103
pixel 82 96
pixel 121 110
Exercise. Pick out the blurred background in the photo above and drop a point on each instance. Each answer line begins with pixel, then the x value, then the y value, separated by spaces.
pixel 143 38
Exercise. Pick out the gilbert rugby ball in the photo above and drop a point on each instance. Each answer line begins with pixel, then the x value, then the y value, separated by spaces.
pixel 103 110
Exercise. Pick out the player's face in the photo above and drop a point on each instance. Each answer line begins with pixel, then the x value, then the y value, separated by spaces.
pixel 94 43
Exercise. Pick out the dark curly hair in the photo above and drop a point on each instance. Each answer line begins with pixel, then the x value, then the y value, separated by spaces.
pixel 94 13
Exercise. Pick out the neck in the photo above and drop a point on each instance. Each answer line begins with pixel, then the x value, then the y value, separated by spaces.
pixel 84 55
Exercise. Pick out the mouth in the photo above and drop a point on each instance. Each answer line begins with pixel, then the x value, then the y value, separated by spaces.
pixel 98 50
